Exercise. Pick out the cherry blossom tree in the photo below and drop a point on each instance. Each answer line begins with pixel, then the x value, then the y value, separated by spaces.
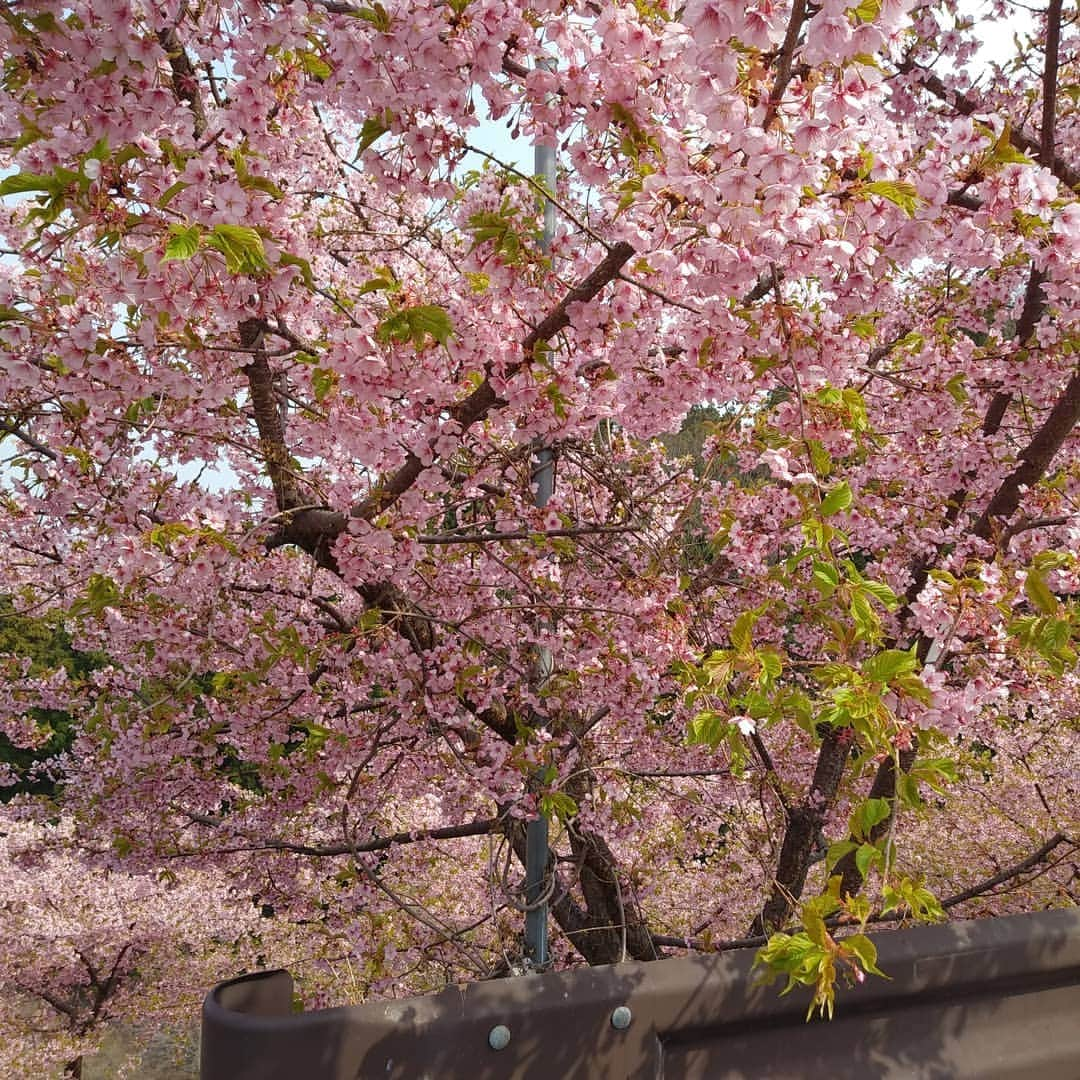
pixel 277 357
pixel 84 946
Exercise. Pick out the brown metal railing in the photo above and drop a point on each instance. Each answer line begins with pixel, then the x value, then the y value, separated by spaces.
pixel 986 1000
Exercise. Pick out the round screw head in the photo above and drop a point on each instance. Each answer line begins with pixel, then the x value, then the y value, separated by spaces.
pixel 621 1017
pixel 499 1037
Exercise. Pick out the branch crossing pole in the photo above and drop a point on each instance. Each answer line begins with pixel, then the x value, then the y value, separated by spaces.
pixel 543 478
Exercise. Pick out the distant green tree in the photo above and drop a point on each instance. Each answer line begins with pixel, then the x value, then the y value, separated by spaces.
pixel 47 645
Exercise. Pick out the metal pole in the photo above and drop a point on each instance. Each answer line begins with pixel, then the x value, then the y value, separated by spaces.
pixel 543 477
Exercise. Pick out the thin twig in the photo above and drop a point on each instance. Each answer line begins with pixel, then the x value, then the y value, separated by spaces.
pixel 540 190
pixel 522 534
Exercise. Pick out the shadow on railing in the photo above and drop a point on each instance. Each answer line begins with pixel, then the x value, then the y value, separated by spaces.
pixel 986 1000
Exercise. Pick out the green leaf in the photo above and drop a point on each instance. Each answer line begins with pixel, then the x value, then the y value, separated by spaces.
pixel 1054 635
pixel 183 242
pixel 242 247
pixel 249 181
pixel 742 632
pixel 498 228
pixel 1038 592
pixel 21 183
pixel 374 127
pixel 866 952
pixel 1052 560
pixel 171 192
pixel 907 791
pixel 814 925
pixel 839 498
pixel 821 458
pixel 479 282
pixel 263 184
pixel 865 857
pixel 322 382
pixel 138 409
pixel 922 903
pixel 718 668
pixel 837 851
pixel 1004 153
pixel 288 259
pixel 867 11
pixel 880 592
pixel 955 388
pixel 416 325
pixel 707 728
pixel 314 64
pixel 377 15
pixel 553 392
pixel 100 150
pixel 557 804
pixel 432 319
pixel 794 560
pixel 937 772
pixel 888 664
pixel 899 192
pixel 101 592
pixel 913 687
pixel 862 326
pixel 384 283
pixel 772 664
pixel 868 814
pixel 161 536
pixel 825 578
pixel 867 624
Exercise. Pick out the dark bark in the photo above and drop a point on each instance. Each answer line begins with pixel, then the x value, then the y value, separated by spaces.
pixel 268 418
pixel 1034 460
pixel 883 787
pixel 803 829
pixel 782 75
pixel 966 105
pixel 185 79
pixel 595 930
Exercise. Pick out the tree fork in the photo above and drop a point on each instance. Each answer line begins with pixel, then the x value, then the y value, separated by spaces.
pixel 803 828
pixel 883 787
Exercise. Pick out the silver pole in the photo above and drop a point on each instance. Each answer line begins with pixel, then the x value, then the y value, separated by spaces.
pixel 543 477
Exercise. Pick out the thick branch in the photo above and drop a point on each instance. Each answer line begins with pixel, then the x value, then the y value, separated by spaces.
pixel 479 827
pixel 803 830
pixel 597 929
pixel 1049 84
pixel 1030 315
pixel 105 990
pixel 268 418
pixel 185 79
pixel 1034 460
pixel 29 439
pixel 1034 294
pixel 1014 871
pixel 784 61
pixel 571 917
pixel 883 787
pixel 965 105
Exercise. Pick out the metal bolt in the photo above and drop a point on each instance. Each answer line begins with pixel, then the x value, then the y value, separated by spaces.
pixel 499 1037
pixel 621 1017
